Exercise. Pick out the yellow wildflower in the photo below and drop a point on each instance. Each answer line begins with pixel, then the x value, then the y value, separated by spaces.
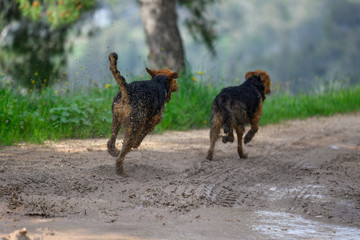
pixel 36 73
pixel 200 72
pixel 33 81
pixel 193 78
pixel 108 86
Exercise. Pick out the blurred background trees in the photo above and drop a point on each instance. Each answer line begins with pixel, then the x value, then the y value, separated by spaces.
pixel 297 42
pixel 159 19
pixel 33 39
pixel 35 34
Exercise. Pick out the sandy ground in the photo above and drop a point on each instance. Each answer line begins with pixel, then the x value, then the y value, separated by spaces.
pixel 301 181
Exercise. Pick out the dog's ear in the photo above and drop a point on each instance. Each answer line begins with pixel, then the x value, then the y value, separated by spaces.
pixel 151 72
pixel 174 75
pixel 249 74
pixel 263 76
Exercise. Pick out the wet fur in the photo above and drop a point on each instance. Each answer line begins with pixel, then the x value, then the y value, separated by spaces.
pixel 234 107
pixel 138 107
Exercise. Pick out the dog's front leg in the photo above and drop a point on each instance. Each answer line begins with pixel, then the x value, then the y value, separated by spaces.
pixel 148 127
pixel 254 124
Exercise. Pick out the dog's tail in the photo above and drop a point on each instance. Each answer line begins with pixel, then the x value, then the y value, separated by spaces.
pixel 123 86
pixel 223 105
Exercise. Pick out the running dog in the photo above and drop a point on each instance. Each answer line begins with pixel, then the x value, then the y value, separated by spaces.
pixel 234 107
pixel 138 106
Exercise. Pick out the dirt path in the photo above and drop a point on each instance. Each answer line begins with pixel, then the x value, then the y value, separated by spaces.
pixel 301 180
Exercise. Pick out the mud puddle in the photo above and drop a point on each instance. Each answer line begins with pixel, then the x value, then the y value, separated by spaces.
pixel 279 225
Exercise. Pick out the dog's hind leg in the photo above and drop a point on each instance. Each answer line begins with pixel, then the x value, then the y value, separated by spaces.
pixel 115 127
pixel 240 131
pixel 216 123
pixel 126 148
pixel 254 125
pixel 224 103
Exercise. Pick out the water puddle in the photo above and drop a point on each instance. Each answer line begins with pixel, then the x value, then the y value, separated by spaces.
pixel 279 225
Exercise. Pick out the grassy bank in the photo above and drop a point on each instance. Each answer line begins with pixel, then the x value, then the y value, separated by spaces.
pixel 35 117
pixel 282 107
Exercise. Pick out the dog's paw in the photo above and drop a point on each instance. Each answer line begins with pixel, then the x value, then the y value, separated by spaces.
pixel 209 156
pixel 247 138
pixel 226 139
pixel 243 155
pixel 121 172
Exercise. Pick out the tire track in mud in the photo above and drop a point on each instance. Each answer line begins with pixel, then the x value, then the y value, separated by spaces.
pixel 224 184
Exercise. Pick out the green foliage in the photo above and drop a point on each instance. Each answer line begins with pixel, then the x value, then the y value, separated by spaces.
pixel 285 107
pixel 36 117
pixel 34 52
pixel 58 12
pixel 190 105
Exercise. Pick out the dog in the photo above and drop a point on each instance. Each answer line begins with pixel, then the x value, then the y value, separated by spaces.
pixel 139 107
pixel 236 106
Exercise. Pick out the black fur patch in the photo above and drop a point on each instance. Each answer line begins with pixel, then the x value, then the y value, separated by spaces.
pixel 249 93
pixel 148 96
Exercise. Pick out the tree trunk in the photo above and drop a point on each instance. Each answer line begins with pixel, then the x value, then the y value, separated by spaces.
pixel 162 35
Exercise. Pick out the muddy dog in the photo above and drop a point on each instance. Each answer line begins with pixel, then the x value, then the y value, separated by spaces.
pixel 138 106
pixel 234 107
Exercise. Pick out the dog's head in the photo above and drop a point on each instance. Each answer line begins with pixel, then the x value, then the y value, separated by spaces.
pixel 263 76
pixel 171 77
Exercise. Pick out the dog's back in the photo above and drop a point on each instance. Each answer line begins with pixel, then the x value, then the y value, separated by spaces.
pixel 241 101
pixel 146 97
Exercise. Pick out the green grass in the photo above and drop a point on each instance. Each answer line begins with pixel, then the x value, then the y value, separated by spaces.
pixel 31 117
pixel 38 117
pixel 285 107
